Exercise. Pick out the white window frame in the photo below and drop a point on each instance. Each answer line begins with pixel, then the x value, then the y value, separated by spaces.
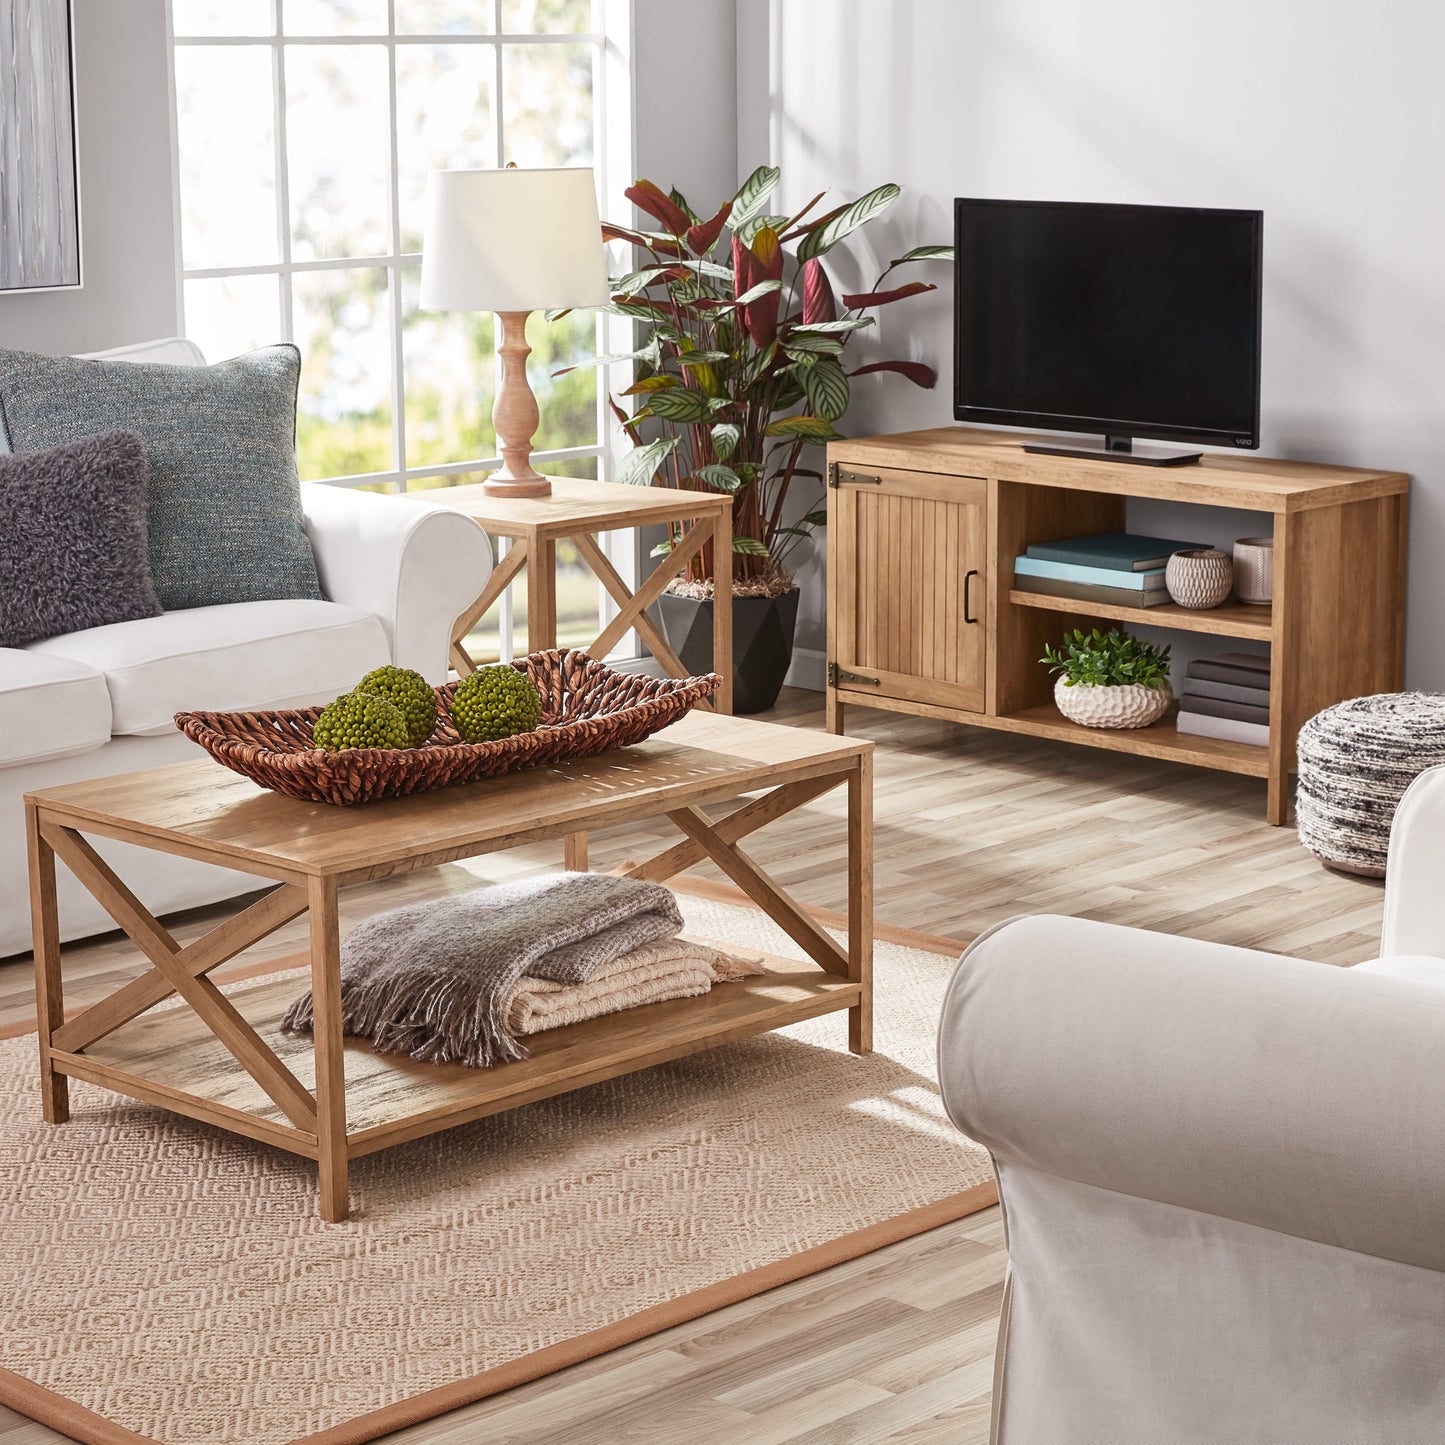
pixel 613 153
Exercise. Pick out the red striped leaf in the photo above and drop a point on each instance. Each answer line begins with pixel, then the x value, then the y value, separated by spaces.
pixel 702 238
pixel 665 244
pixel 859 299
pixel 915 371
pixel 818 302
pixel 660 206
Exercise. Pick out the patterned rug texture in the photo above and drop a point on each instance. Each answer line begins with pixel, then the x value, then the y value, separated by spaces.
pixel 175 1280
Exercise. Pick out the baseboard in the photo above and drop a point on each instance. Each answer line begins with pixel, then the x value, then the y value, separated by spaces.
pixel 809 669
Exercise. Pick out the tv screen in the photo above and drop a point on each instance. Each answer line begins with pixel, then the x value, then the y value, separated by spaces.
pixel 1127 320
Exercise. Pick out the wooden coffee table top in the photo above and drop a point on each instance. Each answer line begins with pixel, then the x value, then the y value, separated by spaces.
pixel 200 809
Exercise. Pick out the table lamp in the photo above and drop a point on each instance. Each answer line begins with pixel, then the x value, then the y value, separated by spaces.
pixel 513 241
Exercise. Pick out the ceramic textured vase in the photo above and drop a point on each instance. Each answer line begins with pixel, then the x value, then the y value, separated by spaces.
pixel 1254 570
pixel 1123 705
pixel 1199 577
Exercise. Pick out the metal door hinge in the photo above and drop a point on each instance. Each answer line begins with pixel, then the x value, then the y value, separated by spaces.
pixel 837 477
pixel 839 676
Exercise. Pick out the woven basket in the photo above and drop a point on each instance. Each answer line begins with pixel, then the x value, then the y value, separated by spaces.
pixel 587 708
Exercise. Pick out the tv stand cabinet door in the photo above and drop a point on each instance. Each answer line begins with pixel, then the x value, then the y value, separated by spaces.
pixel 909 556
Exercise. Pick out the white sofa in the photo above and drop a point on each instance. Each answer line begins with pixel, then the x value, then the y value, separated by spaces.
pixel 396 573
pixel 1221 1174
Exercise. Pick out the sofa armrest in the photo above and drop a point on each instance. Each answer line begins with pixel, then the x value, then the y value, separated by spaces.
pixel 415 565
pixel 1414 900
pixel 1293 1096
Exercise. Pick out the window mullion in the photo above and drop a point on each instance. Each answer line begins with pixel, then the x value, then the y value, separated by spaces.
pixel 283 174
pixel 505 622
pixel 398 319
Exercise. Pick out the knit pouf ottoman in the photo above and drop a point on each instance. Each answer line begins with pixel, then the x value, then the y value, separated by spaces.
pixel 1355 761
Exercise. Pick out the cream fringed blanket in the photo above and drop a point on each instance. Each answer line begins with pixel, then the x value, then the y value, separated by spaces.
pixel 432 980
pixel 672 968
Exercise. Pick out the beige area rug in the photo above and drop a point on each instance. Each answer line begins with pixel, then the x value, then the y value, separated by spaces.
pixel 164 1281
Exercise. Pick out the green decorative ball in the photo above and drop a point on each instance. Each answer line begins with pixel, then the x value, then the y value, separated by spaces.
pixel 360 720
pixel 411 693
pixel 496 702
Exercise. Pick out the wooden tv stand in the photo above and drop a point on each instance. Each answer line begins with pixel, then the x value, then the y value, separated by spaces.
pixel 923 616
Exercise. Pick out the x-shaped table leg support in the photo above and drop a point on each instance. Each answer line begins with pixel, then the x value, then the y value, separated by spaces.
pixel 183 971
pixel 718 841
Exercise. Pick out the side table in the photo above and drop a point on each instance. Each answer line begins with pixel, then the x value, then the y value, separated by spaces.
pixel 577 510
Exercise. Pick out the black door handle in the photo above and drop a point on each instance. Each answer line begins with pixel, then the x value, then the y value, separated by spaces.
pixel 967 594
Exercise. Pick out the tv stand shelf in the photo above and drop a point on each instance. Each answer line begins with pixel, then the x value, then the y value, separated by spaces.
pixel 923 616
pixel 1233 619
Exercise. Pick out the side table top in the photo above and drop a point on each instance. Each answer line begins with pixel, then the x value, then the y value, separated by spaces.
pixel 200 809
pixel 577 504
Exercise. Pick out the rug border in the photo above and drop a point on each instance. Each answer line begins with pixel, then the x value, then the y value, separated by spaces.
pixel 57 1412
pixel 653 1320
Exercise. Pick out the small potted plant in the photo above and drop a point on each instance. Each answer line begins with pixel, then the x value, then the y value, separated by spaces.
pixel 1109 679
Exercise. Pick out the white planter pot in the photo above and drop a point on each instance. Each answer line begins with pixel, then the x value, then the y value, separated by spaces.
pixel 1120 706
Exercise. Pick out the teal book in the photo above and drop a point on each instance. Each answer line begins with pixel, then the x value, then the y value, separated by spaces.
pixel 1112 551
pixel 1151 581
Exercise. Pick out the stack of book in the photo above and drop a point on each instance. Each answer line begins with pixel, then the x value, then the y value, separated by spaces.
pixel 1118 567
pixel 1227 696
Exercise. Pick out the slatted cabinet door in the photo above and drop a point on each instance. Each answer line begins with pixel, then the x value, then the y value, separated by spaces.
pixel 908 618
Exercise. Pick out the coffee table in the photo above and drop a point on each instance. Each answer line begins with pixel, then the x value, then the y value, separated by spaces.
pixel 222 1057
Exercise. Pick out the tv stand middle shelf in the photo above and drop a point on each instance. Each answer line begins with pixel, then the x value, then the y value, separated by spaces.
pixel 1233 619
pixel 924 617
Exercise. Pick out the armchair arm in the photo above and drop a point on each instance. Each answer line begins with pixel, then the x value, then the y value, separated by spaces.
pixel 416 566
pixel 1414 898
pixel 1294 1096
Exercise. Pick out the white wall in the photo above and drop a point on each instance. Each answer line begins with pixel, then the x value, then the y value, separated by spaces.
pixel 1327 115
pixel 127 210
pixel 684 122
pixel 685 98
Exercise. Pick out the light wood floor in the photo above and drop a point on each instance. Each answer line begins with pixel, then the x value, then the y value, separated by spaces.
pixel 972 827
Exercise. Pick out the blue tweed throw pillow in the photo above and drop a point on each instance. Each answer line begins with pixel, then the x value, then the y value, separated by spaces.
pixel 73 539
pixel 224 501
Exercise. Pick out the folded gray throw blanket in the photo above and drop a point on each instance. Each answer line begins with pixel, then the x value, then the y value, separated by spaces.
pixel 431 980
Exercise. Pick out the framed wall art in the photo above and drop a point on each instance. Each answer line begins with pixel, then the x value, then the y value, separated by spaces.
pixel 39 180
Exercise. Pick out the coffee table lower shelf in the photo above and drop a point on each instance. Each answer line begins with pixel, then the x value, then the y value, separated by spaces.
pixel 169 1057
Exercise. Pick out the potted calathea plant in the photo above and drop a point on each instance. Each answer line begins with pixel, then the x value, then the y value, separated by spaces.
pixel 1109 679
pixel 740 371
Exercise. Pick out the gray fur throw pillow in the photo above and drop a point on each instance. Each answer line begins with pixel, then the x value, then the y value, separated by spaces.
pixel 225 517
pixel 73 539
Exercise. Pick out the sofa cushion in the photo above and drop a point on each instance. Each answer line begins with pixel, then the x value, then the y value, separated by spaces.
pixel 50 707
pixel 242 655
pixel 224 500
pixel 73 548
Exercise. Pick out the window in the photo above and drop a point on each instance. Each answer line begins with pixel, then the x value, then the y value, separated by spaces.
pixel 305 129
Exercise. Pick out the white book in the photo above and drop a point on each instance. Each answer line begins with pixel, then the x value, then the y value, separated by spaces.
pixel 1231 729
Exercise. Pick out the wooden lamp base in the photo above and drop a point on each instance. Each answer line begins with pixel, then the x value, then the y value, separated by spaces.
pixel 515 416
pixel 497 485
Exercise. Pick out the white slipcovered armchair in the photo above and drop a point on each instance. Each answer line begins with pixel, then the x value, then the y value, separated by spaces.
pixel 395 572
pixel 1222 1174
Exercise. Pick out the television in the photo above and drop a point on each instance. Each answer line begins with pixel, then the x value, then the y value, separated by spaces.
pixel 1127 321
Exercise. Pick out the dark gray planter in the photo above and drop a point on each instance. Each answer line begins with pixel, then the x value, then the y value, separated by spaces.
pixel 762 642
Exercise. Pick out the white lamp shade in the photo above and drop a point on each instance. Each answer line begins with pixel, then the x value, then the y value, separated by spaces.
pixel 512 240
